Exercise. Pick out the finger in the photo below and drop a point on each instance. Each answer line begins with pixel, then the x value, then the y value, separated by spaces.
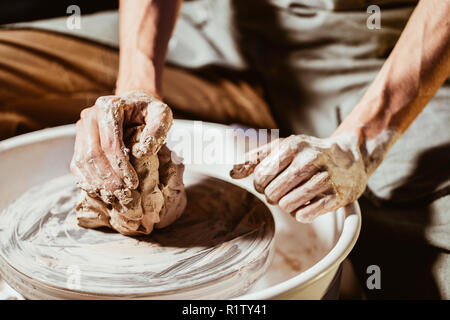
pixel 110 119
pixel 77 166
pixel 313 188
pixel 252 159
pixel 274 163
pixel 301 169
pixel 316 208
pixel 158 120
pixel 96 161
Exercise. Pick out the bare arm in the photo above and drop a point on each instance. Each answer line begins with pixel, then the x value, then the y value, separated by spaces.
pixel 101 159
pixel 307 176
pixel 145 30
pixel 410 77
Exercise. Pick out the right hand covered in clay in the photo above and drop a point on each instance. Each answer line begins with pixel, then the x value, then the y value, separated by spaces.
pixel 307 176
pixel 101 160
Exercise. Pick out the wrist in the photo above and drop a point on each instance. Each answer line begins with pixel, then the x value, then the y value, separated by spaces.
pixel 372 144
pixel 138 73
pixel 369 124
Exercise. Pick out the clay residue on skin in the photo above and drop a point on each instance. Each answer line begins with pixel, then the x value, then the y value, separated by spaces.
pixel 374 150
pixel 158 201
pixel 345 164
pixel 252 158
pixel 101 158
pixel 307 176
pixel 156 197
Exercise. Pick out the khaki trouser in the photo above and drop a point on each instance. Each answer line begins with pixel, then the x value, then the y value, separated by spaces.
pixel 46 79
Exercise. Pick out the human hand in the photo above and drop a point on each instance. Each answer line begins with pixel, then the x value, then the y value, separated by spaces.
pixel 307 176
pixel 101 159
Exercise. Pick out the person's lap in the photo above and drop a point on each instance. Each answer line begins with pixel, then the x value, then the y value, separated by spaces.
pixel 46 79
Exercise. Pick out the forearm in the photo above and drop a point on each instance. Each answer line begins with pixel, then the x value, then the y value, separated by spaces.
pixel 145 30
pixel 410 77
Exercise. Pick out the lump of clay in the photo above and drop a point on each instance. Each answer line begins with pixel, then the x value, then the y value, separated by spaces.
pixel 157 202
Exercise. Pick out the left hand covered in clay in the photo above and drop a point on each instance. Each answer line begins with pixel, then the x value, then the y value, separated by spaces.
pixel 307 176
pixel 101 159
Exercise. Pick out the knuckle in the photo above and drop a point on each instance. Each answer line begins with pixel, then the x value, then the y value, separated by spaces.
pixel 108 104
pixel 324 178
pixel 292 171
pixel 85 113
pixel 306 162
pixel 295 140
pixel 101 101
pixel 92 155
pixel 73 166
pixel 292 138
pixel 286 205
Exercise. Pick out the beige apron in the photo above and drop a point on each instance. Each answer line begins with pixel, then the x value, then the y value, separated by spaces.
pixel 315 59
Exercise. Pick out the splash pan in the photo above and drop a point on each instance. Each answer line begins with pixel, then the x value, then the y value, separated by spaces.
pixel 43 256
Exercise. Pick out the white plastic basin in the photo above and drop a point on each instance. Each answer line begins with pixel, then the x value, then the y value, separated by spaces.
pixel 306 257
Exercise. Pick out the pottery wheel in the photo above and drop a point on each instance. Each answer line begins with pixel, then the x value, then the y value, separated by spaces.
pixel 218 248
